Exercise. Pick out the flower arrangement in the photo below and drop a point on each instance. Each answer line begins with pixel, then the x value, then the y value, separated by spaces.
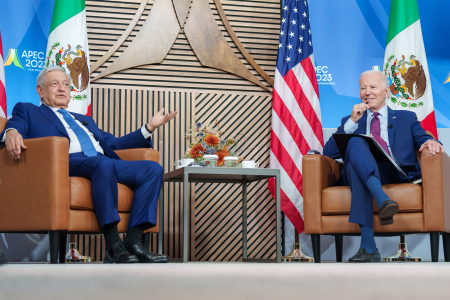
pixel 207 139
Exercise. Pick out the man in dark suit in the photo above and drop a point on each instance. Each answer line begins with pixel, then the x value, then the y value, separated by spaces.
pixel 91 155
pixel 400 134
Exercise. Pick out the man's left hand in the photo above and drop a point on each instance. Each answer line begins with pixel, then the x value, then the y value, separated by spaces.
pixel 433 146
pixel 160 119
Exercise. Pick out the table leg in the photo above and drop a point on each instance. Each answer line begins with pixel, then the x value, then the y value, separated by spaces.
pixel 278 203
pixel 244 220
pixel 186 215
pixel 161 220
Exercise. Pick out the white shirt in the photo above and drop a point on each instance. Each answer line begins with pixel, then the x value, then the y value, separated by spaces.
pixel 74 145
pixel 350 126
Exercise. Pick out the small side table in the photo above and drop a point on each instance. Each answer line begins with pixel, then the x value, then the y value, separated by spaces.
pixel 220 175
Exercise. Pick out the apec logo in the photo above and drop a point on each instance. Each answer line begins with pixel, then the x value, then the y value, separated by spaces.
pixel 33 60
pixel 323 75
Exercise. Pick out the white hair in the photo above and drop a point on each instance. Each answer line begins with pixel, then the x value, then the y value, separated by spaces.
pixel 383 78
pixel 40 81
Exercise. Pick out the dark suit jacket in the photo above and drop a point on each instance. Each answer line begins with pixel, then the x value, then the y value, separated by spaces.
pixel 33 121
pixel 405 136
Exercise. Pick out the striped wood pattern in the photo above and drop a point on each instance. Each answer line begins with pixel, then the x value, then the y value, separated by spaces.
pixel 123 101
pixel 256 24
pixel 218 207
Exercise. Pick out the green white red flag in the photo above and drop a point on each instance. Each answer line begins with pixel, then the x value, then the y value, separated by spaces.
pixel 68 48
pixel 405 64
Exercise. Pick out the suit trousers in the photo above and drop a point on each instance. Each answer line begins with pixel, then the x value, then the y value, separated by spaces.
pixel 359 165
pixel 144 177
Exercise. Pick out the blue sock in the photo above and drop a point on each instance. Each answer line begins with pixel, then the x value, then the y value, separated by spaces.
pixel 368 239
pixel 374 186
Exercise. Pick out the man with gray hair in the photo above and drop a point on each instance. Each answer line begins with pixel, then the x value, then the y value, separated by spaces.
pixel 400 134
pixel 92 156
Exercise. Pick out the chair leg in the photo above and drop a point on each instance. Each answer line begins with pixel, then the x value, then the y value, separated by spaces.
pixel 62 247
pixel 54 238
pixel 339 243
pixel 315 238
pixel 434 241
pixel 446 242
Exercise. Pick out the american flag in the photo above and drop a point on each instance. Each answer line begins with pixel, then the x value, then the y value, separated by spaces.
pixel 296 118
pixel 2 83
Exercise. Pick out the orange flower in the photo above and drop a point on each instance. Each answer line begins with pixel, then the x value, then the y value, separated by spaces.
pixel 195 151
pixel 221 154
pixel 212 140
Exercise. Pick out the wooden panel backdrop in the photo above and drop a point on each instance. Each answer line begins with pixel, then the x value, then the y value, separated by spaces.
pixel 124 100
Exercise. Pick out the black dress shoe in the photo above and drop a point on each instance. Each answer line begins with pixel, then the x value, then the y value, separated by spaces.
pixel 118 254
pixel 387 211
pixel 364 256
pixel 146 256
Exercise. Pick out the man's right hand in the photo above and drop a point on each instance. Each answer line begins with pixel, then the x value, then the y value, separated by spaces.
pixel 14 143
pixel 358 111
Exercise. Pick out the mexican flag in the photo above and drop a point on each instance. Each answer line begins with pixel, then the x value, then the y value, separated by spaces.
pixel 405 64
pixel 68 48
pixel 3 111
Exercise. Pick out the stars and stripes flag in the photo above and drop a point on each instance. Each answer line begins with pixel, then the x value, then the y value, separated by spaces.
pixel 296 117
pixel 3 112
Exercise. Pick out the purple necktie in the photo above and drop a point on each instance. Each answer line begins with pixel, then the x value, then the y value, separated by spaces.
pixel 375 130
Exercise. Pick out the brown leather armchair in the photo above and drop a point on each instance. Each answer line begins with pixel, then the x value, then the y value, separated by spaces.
pixel 37 194
pixel 423 209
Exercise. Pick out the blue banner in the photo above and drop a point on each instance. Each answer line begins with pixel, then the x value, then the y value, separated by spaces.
pixel 349 37
pixel 24 25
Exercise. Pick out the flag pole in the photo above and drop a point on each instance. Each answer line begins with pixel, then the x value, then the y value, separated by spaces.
pixel 297 254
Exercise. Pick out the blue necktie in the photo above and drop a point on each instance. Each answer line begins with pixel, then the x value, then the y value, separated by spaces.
pixel 83 137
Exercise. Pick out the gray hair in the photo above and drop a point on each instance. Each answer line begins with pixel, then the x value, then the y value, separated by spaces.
pixel 40 81
pixel 383 77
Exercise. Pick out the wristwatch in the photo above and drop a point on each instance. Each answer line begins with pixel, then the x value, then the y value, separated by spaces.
pixel 151 132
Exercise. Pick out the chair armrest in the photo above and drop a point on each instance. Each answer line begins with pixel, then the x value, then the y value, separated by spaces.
pixel 436 191
pixel 138 154
pixel 2 123
pixel 35 189
pixel 319 172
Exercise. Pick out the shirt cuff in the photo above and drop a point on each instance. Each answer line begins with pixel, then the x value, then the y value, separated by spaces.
pixel 147 134
pixel 350 126
pixel 4 135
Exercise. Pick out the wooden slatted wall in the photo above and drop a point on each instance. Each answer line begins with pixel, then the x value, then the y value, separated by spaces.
pixel 123 101
pixel 256 24
pixel 218 226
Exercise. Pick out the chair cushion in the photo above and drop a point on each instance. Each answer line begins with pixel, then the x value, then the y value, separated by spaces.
pixel 336 200
pixel 81 197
